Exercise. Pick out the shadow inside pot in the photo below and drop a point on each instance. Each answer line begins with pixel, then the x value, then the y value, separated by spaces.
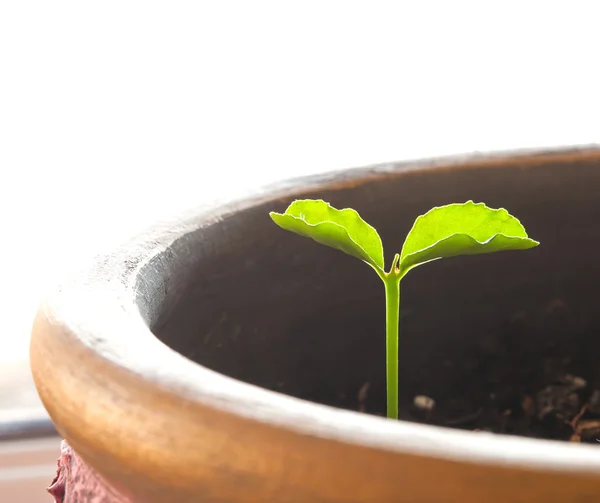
pixel 484 336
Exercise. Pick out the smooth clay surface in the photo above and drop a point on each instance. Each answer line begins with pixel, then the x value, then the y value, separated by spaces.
pixel 200 361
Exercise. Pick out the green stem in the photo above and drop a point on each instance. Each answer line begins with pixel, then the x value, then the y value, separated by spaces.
pixel 392 310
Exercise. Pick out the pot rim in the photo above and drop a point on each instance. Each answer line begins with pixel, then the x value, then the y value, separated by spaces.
pixel 97 314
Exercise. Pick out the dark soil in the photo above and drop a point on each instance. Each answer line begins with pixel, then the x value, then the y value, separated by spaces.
pixel 558 399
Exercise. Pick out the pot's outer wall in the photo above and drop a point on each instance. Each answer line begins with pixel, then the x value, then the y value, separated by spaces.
pixel 238 295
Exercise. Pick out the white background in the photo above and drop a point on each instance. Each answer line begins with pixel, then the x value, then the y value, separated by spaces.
pixel 115 112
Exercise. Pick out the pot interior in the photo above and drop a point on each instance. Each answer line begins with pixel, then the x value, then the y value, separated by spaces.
pixel 484 336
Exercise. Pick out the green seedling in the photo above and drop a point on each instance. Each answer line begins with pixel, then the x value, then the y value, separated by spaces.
pixel 445 231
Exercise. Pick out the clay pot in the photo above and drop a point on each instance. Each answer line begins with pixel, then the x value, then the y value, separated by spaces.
pixel 218 359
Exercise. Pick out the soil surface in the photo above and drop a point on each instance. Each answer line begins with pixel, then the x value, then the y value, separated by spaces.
pixel 554 394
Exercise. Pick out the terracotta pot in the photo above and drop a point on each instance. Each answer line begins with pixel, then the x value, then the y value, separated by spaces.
pixel 195 363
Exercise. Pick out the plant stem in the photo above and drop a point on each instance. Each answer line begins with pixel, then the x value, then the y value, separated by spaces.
pixel 392 310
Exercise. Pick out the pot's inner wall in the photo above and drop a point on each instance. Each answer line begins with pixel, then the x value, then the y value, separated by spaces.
pixel 254 302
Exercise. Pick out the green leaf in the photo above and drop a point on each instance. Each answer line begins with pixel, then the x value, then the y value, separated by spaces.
pixel 462 229
pixel 342 229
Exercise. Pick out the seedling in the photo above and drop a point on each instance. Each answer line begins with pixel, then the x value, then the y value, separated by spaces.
pixel 446 231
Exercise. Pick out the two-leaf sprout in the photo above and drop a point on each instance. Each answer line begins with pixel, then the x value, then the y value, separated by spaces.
pixel 446 231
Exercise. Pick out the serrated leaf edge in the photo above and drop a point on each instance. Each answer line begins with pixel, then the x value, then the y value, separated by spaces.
pixel 431 210
pixel 375 265
pixel 482 243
